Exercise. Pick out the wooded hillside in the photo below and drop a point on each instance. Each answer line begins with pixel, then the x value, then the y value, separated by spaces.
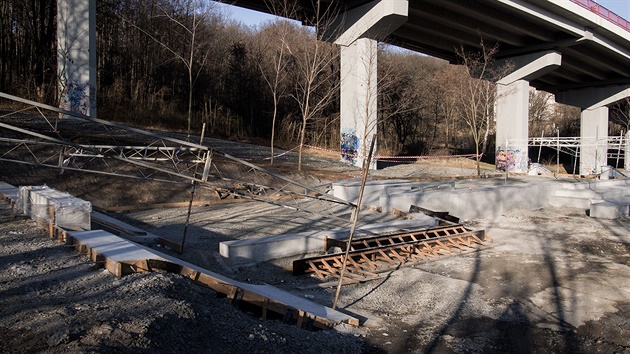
pixel 158 60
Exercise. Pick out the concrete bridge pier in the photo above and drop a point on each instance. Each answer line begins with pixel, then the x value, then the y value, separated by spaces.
pixel 593 140
pixel 594 123
pixel 512 108
pixel 76 55
pixel 357 32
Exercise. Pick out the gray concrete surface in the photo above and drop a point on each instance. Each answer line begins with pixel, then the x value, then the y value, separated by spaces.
pixel 293 244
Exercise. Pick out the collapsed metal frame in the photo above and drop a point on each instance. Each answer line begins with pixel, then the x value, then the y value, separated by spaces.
pixel 371 255
pixel 162 158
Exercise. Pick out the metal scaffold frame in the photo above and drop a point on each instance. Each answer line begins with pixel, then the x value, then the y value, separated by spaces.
pixel 571 145
pixel 58 143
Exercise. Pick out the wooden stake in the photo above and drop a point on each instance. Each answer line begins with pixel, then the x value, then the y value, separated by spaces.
pixel 355 216
pixel 192 194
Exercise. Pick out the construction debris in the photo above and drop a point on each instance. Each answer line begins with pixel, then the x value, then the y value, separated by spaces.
pixel 120 257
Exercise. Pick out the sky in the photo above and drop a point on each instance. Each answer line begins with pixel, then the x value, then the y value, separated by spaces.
pixel 254 18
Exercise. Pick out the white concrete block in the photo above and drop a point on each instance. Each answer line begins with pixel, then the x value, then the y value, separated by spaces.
pixel 349 190
pixel 468 203
pixel 610 210
pixel 280 246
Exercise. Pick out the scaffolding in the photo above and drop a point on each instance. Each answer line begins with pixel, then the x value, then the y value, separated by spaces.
pixel 55 138
pixel 571 145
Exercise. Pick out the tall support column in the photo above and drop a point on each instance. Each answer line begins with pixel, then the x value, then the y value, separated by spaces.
pixel 512 126
pixel 358 99
pixel 593 122
pixel 357 32
pixel 76 55
pixel 626 153
pixel 593 140
pixel 512 108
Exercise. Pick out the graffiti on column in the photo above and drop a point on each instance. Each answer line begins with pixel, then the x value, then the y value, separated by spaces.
pixel 349 146
pixel 511 159
pixel 78 97
pixel 588 168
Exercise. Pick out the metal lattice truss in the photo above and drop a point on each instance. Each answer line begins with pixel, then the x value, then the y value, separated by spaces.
pixel 571 145
pixel 70 141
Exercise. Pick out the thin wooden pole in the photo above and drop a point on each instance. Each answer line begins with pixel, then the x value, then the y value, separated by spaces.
pixel 542 136
pixel 192 193
pixel 619 151
pixel 355 216
pixel 558 153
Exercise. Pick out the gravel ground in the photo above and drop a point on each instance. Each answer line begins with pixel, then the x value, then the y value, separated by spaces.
pixel 55 301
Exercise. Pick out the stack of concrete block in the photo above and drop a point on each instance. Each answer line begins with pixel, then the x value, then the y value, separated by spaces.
pixel 44 204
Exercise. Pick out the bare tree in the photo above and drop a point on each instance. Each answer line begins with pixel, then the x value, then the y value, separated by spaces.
pixel 275 75
pixel 445 84
pixel 315 68
pixel 620 116
pixel 540 111
pixel 398 102
pixel 188 15
pixel 478 94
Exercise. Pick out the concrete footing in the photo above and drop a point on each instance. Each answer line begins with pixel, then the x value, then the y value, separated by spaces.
pixel 610 209
pixel 374 190
pixel 465 200
pixel 470 202
pixel 280 246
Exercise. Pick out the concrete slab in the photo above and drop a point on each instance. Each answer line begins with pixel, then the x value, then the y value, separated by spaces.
pixel 349 190
pixel 280 246
pixel 111 246
pixel 469 203
pixel 610 209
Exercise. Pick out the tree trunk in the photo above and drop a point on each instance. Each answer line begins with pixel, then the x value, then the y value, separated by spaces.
pixel 302 135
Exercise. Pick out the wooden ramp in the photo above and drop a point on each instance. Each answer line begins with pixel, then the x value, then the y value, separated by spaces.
pixel 121 257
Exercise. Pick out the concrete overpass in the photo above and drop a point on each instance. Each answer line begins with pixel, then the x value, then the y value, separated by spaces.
pixel 574 49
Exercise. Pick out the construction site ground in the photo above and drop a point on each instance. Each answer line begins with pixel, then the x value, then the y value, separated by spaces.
pixel 554 280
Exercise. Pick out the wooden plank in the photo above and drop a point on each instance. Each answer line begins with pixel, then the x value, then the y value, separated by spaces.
pixel 113 267
pixel 269 298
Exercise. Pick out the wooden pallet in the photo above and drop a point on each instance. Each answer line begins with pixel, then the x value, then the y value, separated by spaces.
pixel 372 255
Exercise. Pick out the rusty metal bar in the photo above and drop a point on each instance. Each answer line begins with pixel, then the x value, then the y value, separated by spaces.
pixel 364 263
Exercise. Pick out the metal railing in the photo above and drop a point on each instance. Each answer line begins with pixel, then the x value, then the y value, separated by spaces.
pixel 604 12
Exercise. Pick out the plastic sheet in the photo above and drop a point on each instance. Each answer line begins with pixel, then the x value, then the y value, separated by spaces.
pixel 42 203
